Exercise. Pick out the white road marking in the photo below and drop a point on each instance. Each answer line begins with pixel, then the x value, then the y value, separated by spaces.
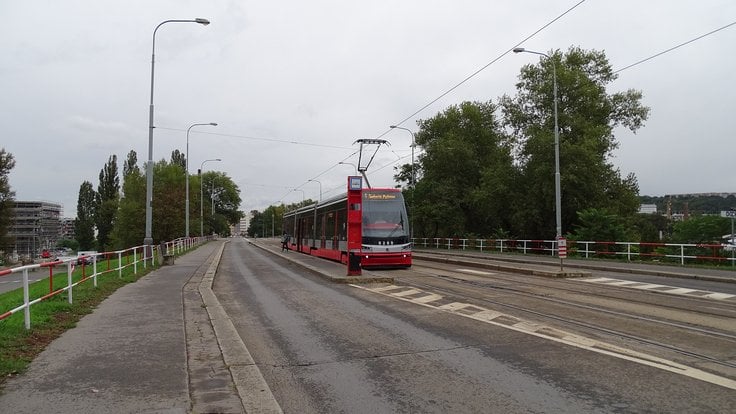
pixel 672 290
pixel 552 334
pixel 429 298
pixel 407 292
pixel 720 296
pixel 475 272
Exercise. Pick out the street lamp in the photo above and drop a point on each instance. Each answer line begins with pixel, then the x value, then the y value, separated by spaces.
pixel 201 196
pixel 413 177
pixel 320 188
pixel 187 177
pixel 299 189
pixel 148 240
pixel 558 197
pixel 349 163
pixel 413 145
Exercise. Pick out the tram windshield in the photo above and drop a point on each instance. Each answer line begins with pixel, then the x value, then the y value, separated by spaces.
pixel 384 215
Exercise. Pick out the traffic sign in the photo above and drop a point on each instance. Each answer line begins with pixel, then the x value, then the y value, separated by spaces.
pixel 562 247
pixel 728 213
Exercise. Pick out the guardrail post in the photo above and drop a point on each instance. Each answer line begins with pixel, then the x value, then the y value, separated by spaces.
pixel 69 280
pixel 135 261
pixel 94 271
pixel 481 245
pixel 682 255
pixel 120 264
pixel 26 300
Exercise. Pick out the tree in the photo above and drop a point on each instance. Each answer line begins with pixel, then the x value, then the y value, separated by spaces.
pixel 168 201
pixel 7 163
pixel 108 198
pixel 588 116
pixel 84 224
pixel 221 202
pixel 600 225
pixel 129 227
pixel 179 158
pixel 701 229
pixel 467 172
pixel 131 165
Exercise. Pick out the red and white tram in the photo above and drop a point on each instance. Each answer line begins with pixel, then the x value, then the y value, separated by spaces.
pixel 385 229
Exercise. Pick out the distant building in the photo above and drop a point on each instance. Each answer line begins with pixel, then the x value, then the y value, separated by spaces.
pixel 67 229
pixel 36 225
pixel 648 208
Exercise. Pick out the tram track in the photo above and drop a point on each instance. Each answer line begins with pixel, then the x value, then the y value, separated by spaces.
pixel 707 307
pixel 463 284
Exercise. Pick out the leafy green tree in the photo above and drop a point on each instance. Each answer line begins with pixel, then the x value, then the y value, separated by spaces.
pixel 600 225
pixel 7 163
pixel 68 243
pixel 129 227
pixel 108 198
pixel 168 201
pixel 588 115
pixel 467 172
pixel 179 158
pixel 221 202
pixel 131 164
pixel 84 224
pixel 701 229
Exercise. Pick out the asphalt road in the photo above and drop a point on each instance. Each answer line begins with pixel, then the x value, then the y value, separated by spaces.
pixel 324 347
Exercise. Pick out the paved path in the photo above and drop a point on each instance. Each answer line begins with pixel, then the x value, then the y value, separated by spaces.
pixel 148 348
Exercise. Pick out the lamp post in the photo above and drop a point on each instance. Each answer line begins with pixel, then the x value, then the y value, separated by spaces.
pixel 413 176
pixel 148 240
pixel 320 188
pixel 299 189
pixel 558 197
pixel 413 145
pixel 350 163
pixel 186 208
pixel 201 197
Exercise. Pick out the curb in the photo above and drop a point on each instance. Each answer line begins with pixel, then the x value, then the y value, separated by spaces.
pixel 321 273
pixel 252 388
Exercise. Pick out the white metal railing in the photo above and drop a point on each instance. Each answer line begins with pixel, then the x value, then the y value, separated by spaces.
pixel 679 252
pixel 133 256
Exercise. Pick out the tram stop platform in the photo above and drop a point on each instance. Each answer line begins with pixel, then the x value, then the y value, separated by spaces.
pixel 333 271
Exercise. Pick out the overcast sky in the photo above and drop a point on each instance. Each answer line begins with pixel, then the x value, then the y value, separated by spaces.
pixel 292 84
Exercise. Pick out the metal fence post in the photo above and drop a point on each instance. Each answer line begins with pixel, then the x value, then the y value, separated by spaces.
pixel 26 300
pixel 94 270
pixel 69 280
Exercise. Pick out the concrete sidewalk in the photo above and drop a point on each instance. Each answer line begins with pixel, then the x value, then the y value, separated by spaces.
pixel 148 348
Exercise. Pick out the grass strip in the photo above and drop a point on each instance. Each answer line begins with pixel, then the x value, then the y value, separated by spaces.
pixel 52 317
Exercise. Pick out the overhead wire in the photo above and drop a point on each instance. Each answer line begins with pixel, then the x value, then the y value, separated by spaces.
pixel 675 47
pixel 475 73
pixel 472 75
pixel 433 101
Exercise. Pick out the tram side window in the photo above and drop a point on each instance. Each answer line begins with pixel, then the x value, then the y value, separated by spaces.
pixel 330 225
pixel 342 225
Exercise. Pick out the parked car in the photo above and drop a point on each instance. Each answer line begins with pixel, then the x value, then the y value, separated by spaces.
pixel 86 257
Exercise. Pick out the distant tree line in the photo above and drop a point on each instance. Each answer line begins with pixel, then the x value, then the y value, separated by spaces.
pixel 113 216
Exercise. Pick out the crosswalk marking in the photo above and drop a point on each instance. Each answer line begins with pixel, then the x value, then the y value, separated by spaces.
pixel 547 332
pixel 672 290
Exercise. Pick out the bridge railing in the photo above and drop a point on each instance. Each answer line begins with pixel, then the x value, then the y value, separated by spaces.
pixel 100 264
pixel 682 253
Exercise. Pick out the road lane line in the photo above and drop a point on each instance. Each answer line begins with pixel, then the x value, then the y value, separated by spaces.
pixel 553 334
